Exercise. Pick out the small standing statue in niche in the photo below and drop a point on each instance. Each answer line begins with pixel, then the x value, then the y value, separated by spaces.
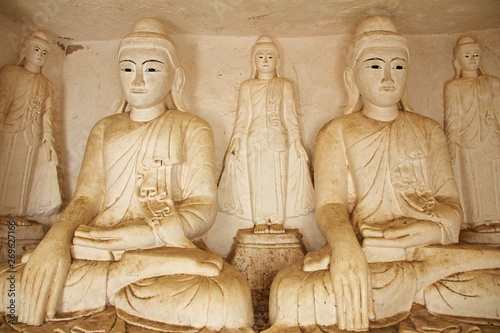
pixel 145 195
pixel 266 176
pixel 28 159
pixel 382 175
pixel 472 126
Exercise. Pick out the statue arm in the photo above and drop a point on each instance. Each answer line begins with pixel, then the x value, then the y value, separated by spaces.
pixel 448 211
pixel 452 113
pixel 349 271
pixel 198 207
pixel 45 272
pixel 48 124
pixel 243 119
pixel 7 84
pixel 291 120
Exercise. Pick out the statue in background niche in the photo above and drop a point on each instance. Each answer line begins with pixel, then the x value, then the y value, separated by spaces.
pixel 145 194
pixel 266 176
pixel 383 175
pixel 472 126
pixel 28 159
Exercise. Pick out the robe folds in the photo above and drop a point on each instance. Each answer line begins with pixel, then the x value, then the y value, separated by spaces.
pixel 472 126
pixel 164 287
pixel 385 171
pixel 28 178
pixel 266 180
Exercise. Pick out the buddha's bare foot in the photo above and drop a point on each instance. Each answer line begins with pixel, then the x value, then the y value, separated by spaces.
pixel 494 227
pixel 16 219
pixel 317 261
pixel 276 228
pixel 283 329
pixel 215 259
pixel 260 229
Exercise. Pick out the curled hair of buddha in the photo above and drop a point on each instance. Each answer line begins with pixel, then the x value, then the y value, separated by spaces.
pixel 36 37
pixel 151 33
pixel 264 43
pixel 373 31
pixel 462 43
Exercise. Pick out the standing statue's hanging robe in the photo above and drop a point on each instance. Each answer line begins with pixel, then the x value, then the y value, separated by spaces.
pixel 268 180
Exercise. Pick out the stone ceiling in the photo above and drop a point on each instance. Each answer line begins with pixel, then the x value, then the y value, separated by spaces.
pixel 83 20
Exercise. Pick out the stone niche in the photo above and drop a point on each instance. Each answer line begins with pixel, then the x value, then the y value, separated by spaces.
pixel 215 40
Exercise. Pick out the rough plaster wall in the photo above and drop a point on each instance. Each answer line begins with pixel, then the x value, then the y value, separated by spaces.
pixel 216 66
pixel 92 92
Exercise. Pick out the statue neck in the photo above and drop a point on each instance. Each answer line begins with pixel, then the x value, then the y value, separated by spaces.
pixel 30 67
pixel 380 113
pixel 473 73
pixel 266 76
pixel 144 115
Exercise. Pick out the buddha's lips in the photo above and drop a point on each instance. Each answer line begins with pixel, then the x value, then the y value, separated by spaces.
pixel 138 91
pixel 387 88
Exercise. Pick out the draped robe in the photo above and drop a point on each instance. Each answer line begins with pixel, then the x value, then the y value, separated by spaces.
pixel 381 171
pixel 267 180
pixel 28 180
pixel 125 162
pixel 472 123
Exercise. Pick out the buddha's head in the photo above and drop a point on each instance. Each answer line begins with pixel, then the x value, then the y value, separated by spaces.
pixel 265 57
pixel 150 72
pixel 34 51
pixel 377 70
pixel 467 55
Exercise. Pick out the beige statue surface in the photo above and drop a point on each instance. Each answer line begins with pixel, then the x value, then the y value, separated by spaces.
pixel 145 193
pixel 266 176
pixel 472 126
pixel 28 159
pixel 383 176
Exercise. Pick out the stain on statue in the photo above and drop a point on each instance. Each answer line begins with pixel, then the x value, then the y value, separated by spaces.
pixel 266 176
pixel 29 186
pixel 146 193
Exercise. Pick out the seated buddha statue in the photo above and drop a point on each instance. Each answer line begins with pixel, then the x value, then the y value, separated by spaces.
pixel 383 179
pixel 145 194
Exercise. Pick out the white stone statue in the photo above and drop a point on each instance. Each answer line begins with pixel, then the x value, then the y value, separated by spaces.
pixel 146 190
pixel 472 126
pixel 266 176
pixel 28 159
pixel 383 175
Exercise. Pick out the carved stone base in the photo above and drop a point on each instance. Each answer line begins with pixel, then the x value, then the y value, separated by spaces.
pixel 260 256
pixel 19 235
pixel 475 237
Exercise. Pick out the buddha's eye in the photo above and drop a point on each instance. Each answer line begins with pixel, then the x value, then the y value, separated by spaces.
pixel 399 67
pixel 152 70
pixel 375 67
pixel 128 70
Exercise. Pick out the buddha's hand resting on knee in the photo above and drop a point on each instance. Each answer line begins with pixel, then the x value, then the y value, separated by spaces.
pixel 350 276
pixel 43 279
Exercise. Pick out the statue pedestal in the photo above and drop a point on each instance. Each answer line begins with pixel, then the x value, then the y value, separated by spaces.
pixel 260 256
pixel 475 237
pixel 18 239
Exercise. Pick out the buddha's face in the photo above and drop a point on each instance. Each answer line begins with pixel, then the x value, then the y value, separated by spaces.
pixel 380 74
pixel 146 76
pixel 266 61
pixel 36 54
pixel 469 57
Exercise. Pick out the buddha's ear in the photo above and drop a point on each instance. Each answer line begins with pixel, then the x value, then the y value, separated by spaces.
pixel 352 90
pixel 179 79
pixel 458 69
